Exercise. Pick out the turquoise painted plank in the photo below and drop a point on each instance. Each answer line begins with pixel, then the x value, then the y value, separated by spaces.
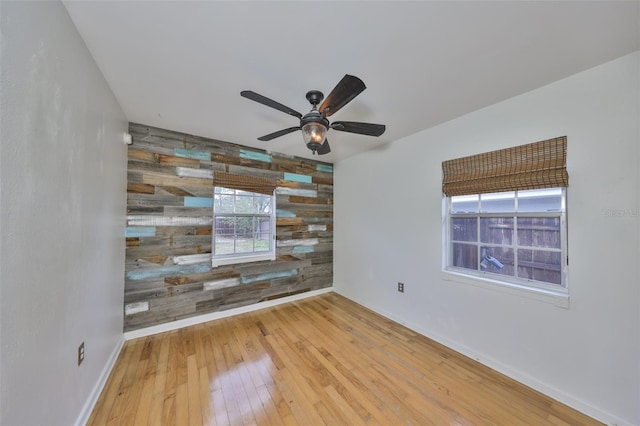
pixel 164 271
pixel 324 168
pixel 190 153
pixel 297 178
pixel 269 276
pixel 252 155
pixel 284 213
pixel 302 249
pixel 140 231
pixel 198 202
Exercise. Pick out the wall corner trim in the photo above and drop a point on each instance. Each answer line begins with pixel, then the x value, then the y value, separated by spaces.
pixel 175 325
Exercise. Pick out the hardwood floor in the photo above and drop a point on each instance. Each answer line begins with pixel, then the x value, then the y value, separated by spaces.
pixel 322 360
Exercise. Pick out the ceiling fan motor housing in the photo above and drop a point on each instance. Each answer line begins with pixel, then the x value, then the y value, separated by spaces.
pixel 314 117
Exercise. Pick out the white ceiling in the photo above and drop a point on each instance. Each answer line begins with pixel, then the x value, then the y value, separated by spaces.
pixel 181 65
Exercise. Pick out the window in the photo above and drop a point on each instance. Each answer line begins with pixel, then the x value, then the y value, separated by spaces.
pixel 243 219
pixel 243 226
pixel 505 216
pixel 514 237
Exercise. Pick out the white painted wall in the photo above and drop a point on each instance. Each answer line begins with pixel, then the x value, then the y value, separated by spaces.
pixel 63 176
pixel 388 229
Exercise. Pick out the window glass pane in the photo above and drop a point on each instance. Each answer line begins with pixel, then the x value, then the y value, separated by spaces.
pixel 221 190
pixel 464 256
pixel 224 235
pixel 225 225
pixel 223 203
pixel 464 204
pixel 244 233
pixel 262 237
pixel 540 265
pixel 244 204
pixel 539 232
pixel 223 245
pixel 540 200
pixel 244 226
pixel 263 225
pixel 261 242
pixel 499 202
pixel 263 205
pixel 464 229
pixel 244 245
pixel 261 246
pixel 497 260
pixel 496 230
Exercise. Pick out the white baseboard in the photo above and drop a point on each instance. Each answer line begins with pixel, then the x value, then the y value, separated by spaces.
pixel 508 371
pixel 174 325
pixel 89 405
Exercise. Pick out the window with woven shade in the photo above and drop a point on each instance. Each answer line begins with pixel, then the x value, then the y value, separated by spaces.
pixel 506 216
pixel 243 219
pixel 533 166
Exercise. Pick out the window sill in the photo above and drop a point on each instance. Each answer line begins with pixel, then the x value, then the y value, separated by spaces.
pixel 241 259
pixel 557 298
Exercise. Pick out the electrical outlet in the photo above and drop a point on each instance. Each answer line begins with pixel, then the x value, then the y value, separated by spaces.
pixel 401 287
pixel 80 353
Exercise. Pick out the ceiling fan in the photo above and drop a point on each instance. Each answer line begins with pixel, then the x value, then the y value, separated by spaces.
pixel 314 124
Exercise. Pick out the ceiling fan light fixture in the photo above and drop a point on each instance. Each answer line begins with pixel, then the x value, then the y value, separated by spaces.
pixel 314 129
pixel 314 132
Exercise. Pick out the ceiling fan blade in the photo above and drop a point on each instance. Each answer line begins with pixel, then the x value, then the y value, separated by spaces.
pixel 278 134
pixel 269 102
pixel 368 129
pixel 324 148
pixel 347 89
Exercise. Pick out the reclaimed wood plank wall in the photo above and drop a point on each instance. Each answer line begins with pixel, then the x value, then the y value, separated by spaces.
pixel 168 273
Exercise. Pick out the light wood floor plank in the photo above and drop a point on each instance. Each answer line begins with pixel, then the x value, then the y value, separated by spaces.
pixel 169 405
pixel 124 393
pixel 157 401
pixel 205 396
pixel 182 405
pixel 220 413
pixel 110 391
pixel 322 360
pixel 193 391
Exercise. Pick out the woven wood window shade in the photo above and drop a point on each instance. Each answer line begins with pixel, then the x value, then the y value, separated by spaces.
pixel 533 166
pixel 261 185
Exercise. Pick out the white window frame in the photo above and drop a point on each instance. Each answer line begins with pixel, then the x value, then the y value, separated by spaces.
pixel 557 294
pixel 234 258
